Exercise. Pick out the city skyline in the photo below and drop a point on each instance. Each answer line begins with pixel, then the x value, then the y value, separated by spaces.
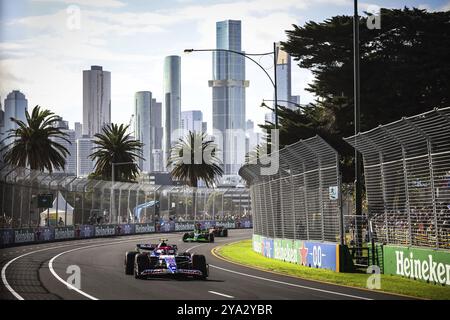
pixel 41 57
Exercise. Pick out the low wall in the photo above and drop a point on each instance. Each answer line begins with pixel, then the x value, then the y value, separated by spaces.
pixel 417 263
pixel 12 237
pixel 314 254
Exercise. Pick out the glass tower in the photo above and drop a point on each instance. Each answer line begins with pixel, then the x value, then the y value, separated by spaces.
pixel 96 100
pixel 283 77
pixel 228 87
pixel 172 103
pixel 142 130
pixel 16 105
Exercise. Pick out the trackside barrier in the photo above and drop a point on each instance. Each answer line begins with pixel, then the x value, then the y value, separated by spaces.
pixel 11 237
pixel 424 264
pixel 313 254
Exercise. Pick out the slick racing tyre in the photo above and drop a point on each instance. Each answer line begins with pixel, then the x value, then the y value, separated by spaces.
pixel 199 263
pixel 129 262
pixel 225 232
pixel 185 237
pixel 142 262
pixel 211 237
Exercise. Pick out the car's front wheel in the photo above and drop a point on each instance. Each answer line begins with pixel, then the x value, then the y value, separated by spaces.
pixel 129 262
pixel 142 262
pixel 199 263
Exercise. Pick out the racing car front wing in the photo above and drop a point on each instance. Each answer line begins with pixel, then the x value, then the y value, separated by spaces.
pixel 189 272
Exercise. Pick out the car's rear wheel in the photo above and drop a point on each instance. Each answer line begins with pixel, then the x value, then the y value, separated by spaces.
pixel 211 237
pixel 129 262
pixel 142 262
pixel 225 232
pixel 199 263
pixel 185 237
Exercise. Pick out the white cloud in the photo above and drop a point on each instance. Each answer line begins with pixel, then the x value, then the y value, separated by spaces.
pixel 446 7
pixel 89 3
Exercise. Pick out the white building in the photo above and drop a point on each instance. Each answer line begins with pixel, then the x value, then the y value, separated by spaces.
pixel 96 100
pixel 148 130
pixel 71 158
pixel 78 130
pixel 252 137
pixel 85 165
pixel 191 120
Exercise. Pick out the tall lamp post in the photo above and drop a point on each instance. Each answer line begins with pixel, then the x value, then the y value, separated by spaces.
pixel 249 56
pixel 357 118
pixel 112 202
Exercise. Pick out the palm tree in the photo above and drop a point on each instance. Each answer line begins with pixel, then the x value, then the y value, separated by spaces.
pixel 193 170
pixel 193 159
pixel 33 143
pixel 114 145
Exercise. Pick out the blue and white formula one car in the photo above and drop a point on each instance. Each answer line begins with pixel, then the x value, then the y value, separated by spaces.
pixel 163 259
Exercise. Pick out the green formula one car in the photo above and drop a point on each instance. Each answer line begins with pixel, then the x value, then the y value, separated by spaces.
pixel 198 235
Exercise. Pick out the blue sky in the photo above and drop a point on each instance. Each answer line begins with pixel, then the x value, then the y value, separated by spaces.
pixel 43 49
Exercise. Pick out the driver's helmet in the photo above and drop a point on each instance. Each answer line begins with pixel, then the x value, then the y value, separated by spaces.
pixel 162 243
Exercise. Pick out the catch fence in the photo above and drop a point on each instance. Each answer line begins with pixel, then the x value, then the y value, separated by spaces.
pixel 301 201
pixel 407 179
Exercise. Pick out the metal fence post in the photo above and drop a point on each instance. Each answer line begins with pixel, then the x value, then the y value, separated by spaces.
pixel 321 198
pixel 433 194
pixel 341 213
pixel 293 205
pixel 408 208
pixel 305 187
pixel 271 207
pixel 280 197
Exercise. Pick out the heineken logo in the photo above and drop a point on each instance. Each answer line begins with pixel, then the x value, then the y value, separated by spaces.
pixel 423 269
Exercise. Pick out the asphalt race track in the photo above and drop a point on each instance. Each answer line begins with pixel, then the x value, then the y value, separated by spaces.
pixel 39 272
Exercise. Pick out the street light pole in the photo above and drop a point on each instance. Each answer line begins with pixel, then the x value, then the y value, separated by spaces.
pixel 275 85
pixel 357 118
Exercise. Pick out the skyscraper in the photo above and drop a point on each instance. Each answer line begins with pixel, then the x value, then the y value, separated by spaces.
pixel 78 130
pixel 84 149
pixel 96 100
pixel 148 129
pixel 228 87
pixel 157 136
pixel 71 146
pixel 172 102
pixel 283 77
pixel 191 120
pixel 15 106
pixel 142 131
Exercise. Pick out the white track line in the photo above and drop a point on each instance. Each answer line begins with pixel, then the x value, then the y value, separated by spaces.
pixel 18 296
pixel 290 284
pixel 221 294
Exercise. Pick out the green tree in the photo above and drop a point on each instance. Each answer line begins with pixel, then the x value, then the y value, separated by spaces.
pixel 33 144
pixel 114 145
pixel 193 170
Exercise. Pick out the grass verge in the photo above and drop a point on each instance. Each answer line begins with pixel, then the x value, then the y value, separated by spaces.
pixel 241 252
